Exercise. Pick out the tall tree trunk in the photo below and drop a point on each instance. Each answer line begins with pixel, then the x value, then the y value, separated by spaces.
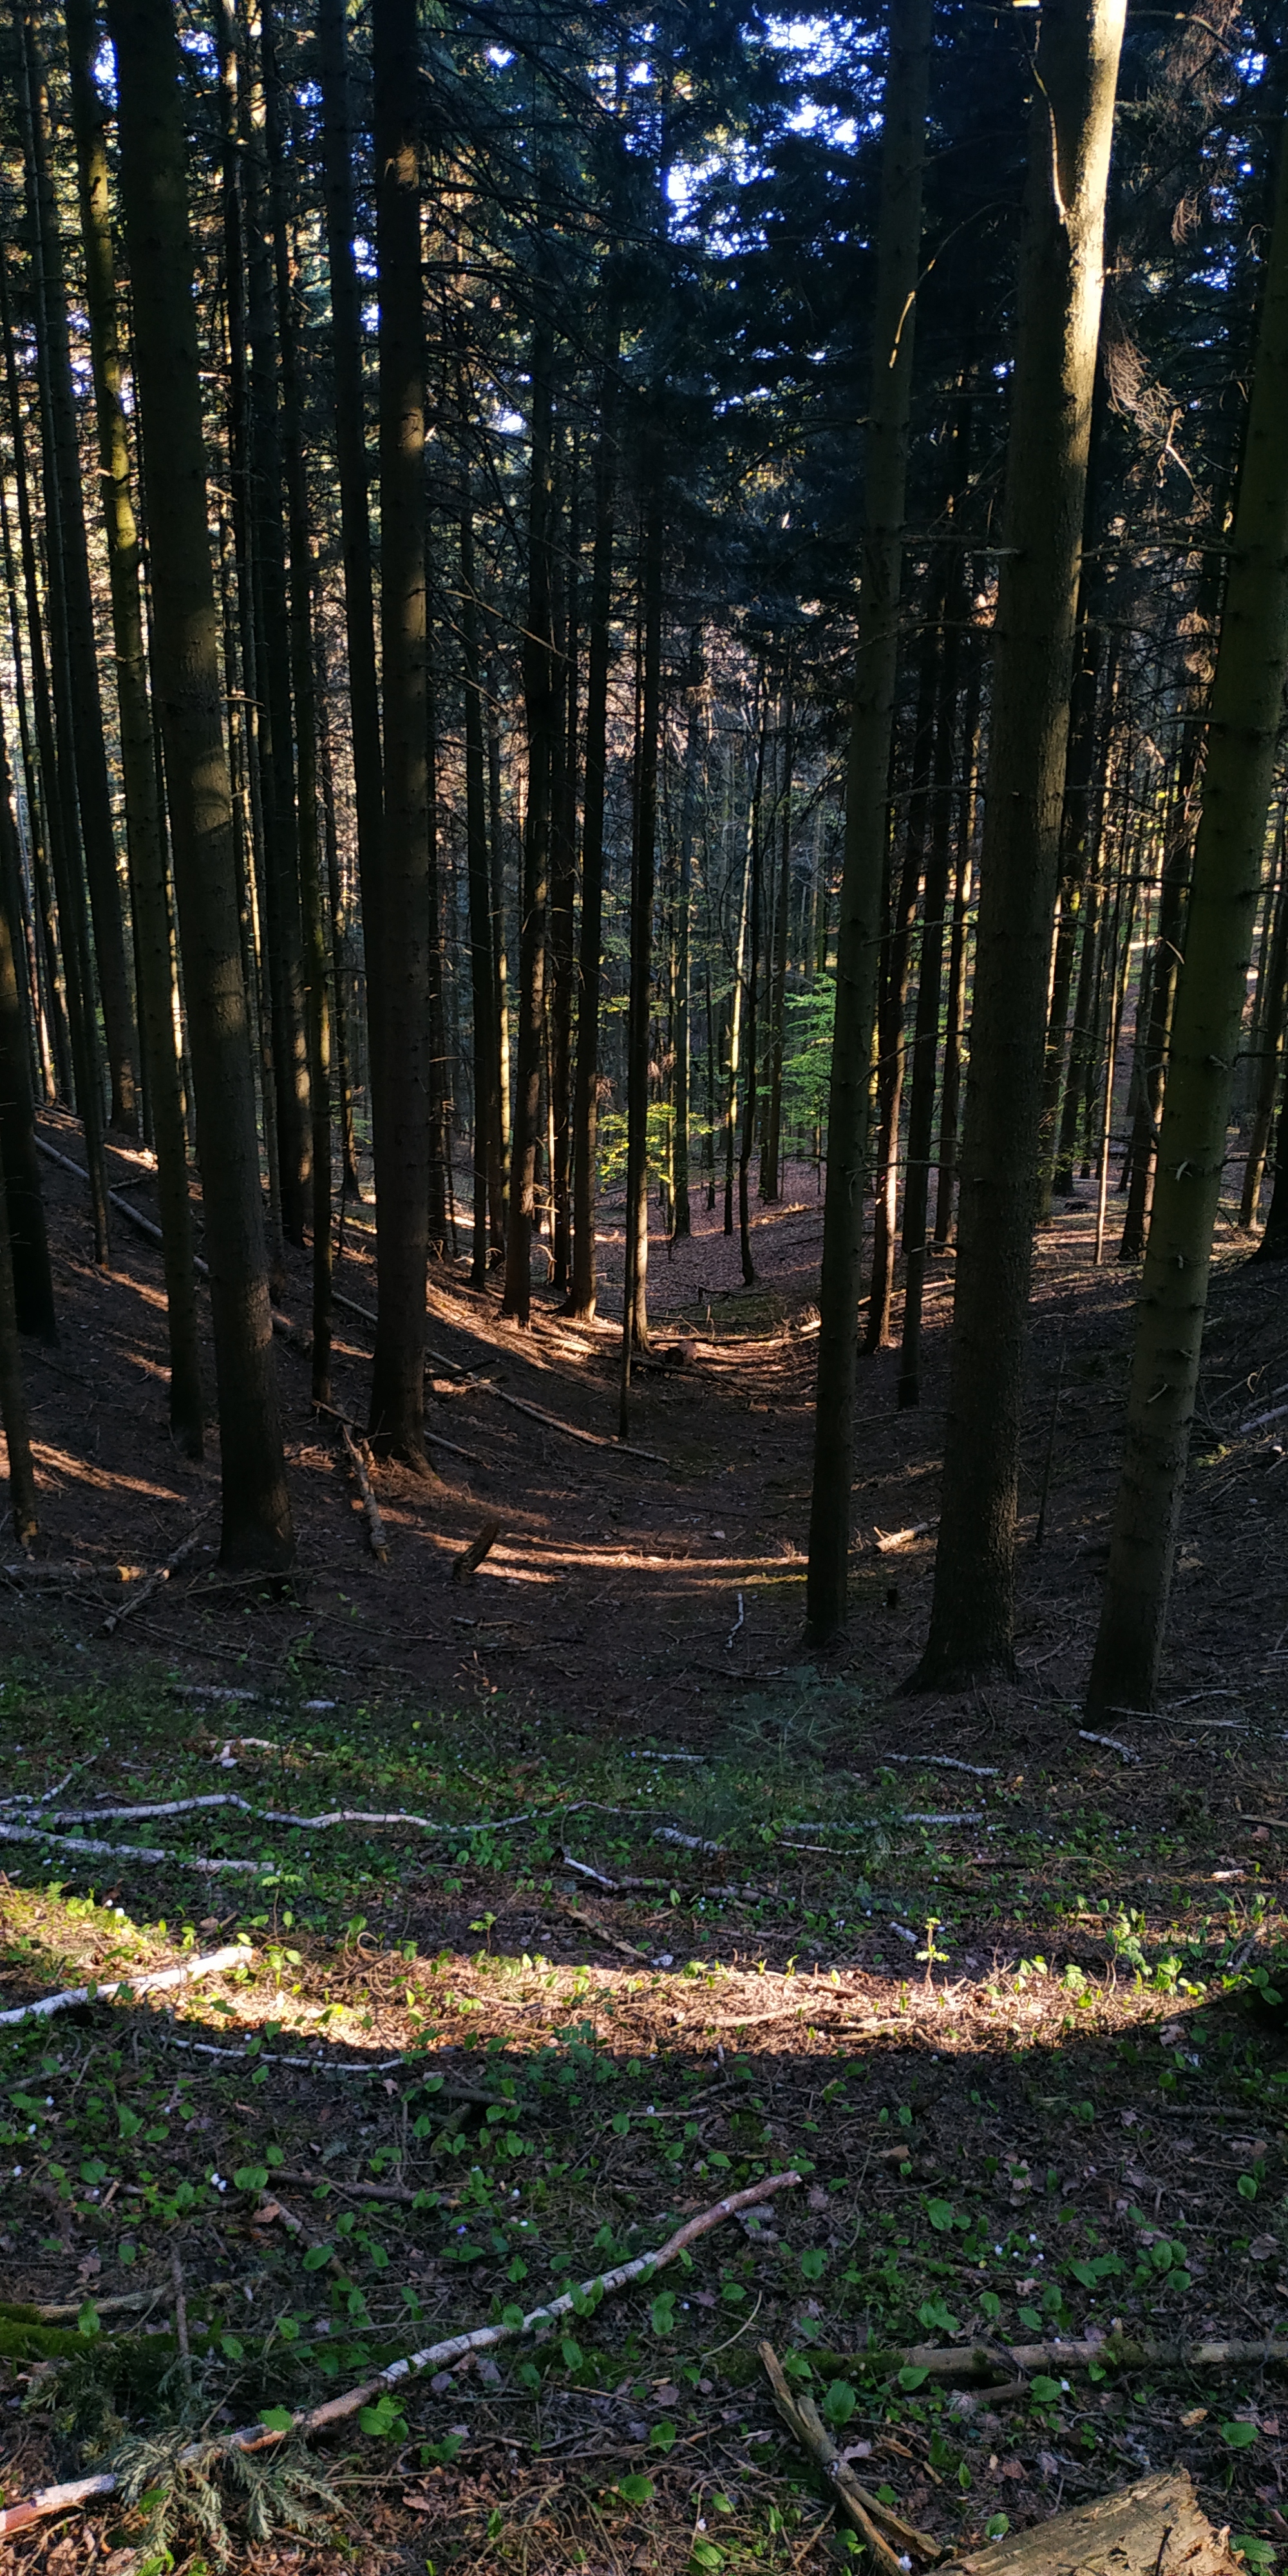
pixel 138 750
pixel 487 1091
pixel 1079 819
pixel 32 1276
pixel 283 925
pixel 643 876
pixel 681 1216
pixel 500 955
pixel 398 958
pixel 355 517
pixel 13 1396
pixel 1246 710
pixel 341 979
pixel 69 933
pixel 772 1149
pixel 896 967
pixel 1274 1013
pixel 955 1013
pixel 257 1531
pixel 563 886
pixel 585 1111
pixel 88 736
pixel 903 153
pixel 751 1096
pixel 972 1615
pixel 47 1000
pixel 925 1044
pixel 539 708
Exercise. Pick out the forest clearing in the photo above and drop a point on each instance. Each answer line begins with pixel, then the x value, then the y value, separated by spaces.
pixel 643 1181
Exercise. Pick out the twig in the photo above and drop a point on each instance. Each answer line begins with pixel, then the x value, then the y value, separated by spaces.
pixel 945 1762
pixel 740 1622
pixel 375 1525
pixel 116 1618
pixel 282 1816
pixel 466 1565
pixel 180 2315
pixel 872 2519
pixel 211 1966
pixel 256 2437
pixel 334 2066
pixel 1110 1742
pixel 53 2312
pixel 609 1940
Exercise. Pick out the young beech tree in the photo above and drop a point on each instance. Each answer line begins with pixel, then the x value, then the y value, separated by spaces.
pixel 1058 323
pixel 1243 729
pixel 257 1529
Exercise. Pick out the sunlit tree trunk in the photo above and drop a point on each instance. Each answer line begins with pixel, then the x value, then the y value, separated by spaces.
pixel 487 1094
pixel 257 1531
pixel 681 1217
pixel 31 1273
pixel 398 938
pixel 1243 727
pixel 139 774
pixel 903 154
pixel 972 1616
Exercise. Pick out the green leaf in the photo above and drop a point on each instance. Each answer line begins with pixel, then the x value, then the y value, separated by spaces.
pixel 316 2256
pixel 571 2351
pixel 1083 2272
pixel 997 2525
pixel 1246 2187
pixel 228 2343
pixel 813 2263
pixel 840 2402
pixel 662 2312
pixel 87 2321
pixel 276 2419
pixel 662 2437
pixel 705 2554
pixel 990 2305
pixel 636 2490
pixel 1029 2317
pixel 250 2177
pixel 127 2252
pixel 911 2377
pixel 1045 2390
pixel 1239 2437
pixel 940 2215
pixel 1255 2552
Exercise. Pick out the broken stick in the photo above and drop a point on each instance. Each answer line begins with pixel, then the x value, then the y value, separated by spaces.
pixel 873 2520
pixel 375 1525
pixel 466 1565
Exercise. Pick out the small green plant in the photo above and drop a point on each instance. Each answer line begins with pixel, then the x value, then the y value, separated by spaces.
pixel 934 1957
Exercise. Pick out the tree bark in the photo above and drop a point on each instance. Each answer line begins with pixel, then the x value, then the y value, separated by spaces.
pixel 143 822
pixel 681 1214
pixel 925 1043
pixel 32 1275
pixel 1246 709
pixel 539 710
pixel 771 1151
pixel 487 1092
pixel 88 739
pixel 398 956
pixel 1274 1011
pixel 903 155
pixel 257 1531
pixel 643 877
pixel 972 1614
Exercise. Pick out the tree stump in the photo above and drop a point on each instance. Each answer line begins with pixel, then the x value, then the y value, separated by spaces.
pixel 1155 2528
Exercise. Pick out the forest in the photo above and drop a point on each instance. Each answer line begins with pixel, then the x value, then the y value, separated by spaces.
pixel 643 808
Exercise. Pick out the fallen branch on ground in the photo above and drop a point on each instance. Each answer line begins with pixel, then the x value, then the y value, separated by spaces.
pixel 445 2085
pixel 281 1816
pixel 1110 1743
pixel 438 2356
pixel 375 1525
pixel 34 1833
pixel 160 1978
pixel 945 1762
pixel 568 1430
pixel 981 2365
pixel 54 2312
pixel 872 2519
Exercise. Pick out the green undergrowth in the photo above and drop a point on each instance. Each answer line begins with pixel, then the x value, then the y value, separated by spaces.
pixel 1063 2118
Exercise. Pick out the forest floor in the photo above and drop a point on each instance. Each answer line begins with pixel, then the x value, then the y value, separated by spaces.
pixel 666 1892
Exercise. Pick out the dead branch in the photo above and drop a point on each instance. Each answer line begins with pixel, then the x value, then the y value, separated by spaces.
pixel 982 2365
pixel 375 1525
pixel 447 2086
pixel 211 1966
pixel 872 2519
pixel 135 1601
pixel 466 1565
pixel 334 2410
pixel 30 1833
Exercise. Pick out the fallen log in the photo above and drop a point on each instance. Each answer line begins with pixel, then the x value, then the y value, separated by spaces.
pixel 983 2365
pixel 1154 2528
pixel 438 2356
